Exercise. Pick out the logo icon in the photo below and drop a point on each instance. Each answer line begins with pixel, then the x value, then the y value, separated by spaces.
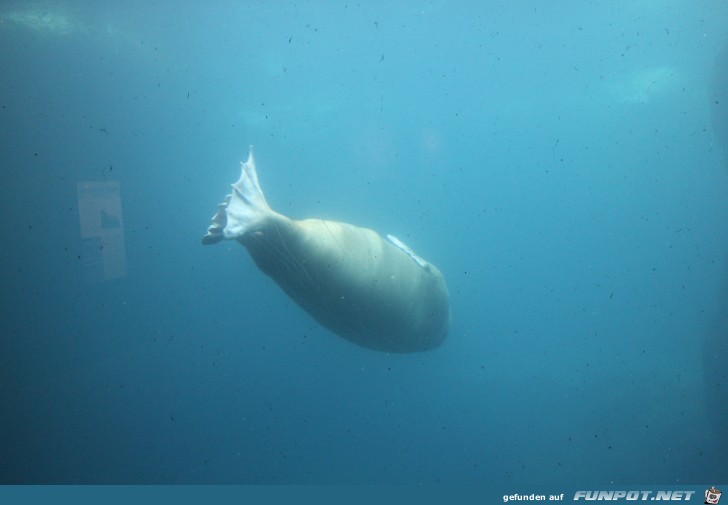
pixel 712 495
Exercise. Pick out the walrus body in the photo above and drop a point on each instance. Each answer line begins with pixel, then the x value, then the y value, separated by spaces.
pixel 377 293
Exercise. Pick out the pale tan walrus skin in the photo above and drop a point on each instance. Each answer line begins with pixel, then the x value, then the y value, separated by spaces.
pixel 377 293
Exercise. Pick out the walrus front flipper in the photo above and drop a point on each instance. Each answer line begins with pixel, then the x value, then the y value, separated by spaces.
pixel 408 250
pixel 244 209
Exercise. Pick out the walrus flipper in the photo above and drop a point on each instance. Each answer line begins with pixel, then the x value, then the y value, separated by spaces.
pixel 219 221
pixel 408 250
pixel 242 210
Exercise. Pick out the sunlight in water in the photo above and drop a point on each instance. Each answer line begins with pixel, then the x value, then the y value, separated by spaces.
pixel 41 19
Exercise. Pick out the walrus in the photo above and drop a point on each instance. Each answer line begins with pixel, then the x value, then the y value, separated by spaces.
pixel 374 292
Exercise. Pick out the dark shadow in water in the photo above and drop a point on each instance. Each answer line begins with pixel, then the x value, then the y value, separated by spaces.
pixel 718 94
pixel 715 369
pixel 715 353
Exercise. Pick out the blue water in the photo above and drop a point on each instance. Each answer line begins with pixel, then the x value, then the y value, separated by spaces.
pixel 563 164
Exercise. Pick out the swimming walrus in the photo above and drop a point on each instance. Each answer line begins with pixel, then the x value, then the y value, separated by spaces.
pixel 377 293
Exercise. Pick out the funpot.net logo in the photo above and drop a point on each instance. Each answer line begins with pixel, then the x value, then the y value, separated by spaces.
pixel 669 495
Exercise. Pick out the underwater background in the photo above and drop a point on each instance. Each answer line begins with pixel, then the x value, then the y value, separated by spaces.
pixel 564 164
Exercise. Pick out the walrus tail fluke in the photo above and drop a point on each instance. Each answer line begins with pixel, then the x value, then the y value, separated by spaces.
pixel 242 210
